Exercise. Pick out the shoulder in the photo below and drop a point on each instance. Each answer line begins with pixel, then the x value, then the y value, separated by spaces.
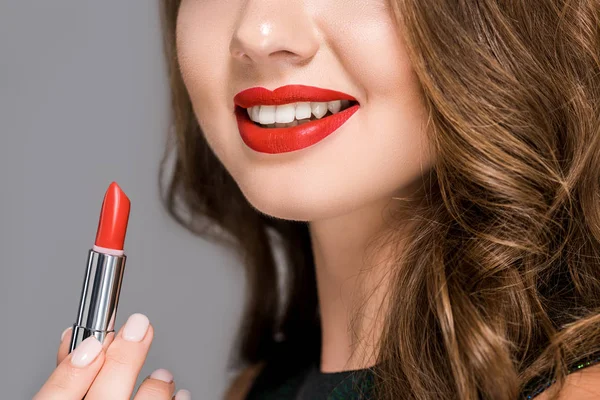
pixel 241 384
pixel 581 385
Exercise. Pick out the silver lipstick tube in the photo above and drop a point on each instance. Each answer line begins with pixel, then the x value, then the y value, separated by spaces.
pixel 99 297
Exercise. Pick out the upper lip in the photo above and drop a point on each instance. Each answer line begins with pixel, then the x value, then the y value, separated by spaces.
pixel 287 94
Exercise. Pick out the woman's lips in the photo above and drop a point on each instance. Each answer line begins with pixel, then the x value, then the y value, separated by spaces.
pixel 282 140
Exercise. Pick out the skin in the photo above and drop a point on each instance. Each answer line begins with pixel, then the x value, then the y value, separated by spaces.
pixel 342 184
pixel 111 375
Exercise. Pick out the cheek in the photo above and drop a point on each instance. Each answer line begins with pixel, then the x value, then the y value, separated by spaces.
pixel 367 42
pixel 202 51
pixel 393 146
pixel 393 118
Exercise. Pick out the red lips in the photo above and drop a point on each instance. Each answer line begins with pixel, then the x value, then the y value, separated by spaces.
pixel 281 140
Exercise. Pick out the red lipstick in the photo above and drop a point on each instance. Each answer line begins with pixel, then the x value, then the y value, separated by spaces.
pixel 281 140
pixel 104 272
pixel 114 216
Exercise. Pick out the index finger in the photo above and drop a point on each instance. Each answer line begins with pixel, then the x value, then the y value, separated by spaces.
pixel 75 374
pixel 63 348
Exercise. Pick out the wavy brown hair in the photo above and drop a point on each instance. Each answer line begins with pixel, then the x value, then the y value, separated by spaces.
pixel 499 283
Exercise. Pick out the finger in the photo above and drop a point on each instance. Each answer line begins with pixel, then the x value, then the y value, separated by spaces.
pixel 158 386
pixel 65 343
pixel 63 348
pixel 182 394
pixel 124 360
pixel 73 376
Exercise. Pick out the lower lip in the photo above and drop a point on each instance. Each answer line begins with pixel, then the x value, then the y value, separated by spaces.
pixel 283 140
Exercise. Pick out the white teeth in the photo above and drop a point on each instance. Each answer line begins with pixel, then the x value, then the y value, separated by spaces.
pixel 266 115
pixel 288 113
pixel 255 113
pixel 334 106
pixel 318 109
pixel 285 113
pixel 303 110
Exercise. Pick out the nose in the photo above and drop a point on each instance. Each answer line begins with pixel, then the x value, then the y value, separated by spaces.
pixel 274 31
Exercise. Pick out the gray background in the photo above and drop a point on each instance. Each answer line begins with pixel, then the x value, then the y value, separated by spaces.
pixel 84 101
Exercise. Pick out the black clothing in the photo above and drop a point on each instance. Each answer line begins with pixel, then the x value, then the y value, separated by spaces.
pixel 311 384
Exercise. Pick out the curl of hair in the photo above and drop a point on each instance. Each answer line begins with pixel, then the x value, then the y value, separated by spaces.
pixel 500 281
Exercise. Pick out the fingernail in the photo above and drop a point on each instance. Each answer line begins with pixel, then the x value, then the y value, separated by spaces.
pixel 135 327
pixel 86 352
pixel 183 394
pixel 162 375
pixel 62 336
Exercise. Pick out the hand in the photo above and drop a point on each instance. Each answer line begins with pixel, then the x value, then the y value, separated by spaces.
pixel 109 370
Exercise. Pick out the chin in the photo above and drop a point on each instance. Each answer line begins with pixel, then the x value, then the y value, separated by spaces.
pixel 301 202
pixel 282 204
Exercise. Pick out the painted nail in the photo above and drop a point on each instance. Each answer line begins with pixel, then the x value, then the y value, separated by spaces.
pixel 62 336
pixel 135 327
pixel 183 394
pixel 86 352
pixel 162 375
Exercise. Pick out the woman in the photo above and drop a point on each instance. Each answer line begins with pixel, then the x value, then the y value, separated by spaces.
pixel 439 218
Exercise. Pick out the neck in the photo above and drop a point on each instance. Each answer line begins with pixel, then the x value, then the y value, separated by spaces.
pixel 351 284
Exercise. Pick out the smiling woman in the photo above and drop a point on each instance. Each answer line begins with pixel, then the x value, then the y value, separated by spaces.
pixel 430 170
